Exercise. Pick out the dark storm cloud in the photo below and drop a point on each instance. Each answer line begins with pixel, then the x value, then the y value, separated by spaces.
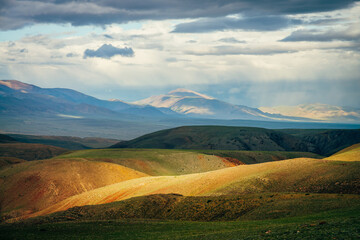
pixel 316 36
pixel 107 51
pixel 262 23
pixel 16 14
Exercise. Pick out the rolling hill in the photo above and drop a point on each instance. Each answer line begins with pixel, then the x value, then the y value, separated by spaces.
pixel 31 186
pixel 160 162
pixel 156 162
pixel 218 137
pixel 351 153
pixel 323 142
pixel 296 175
pixel 6 161
pixel 29 151
pixel 206 208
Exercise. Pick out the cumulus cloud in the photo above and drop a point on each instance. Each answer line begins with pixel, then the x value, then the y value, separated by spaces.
pixel 16 14
pixel 108 51
pixel 259 23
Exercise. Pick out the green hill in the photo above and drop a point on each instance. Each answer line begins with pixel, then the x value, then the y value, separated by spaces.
pixel 177 162
pixel 156 161
pixel 343 223
pixel 218 137
pixel 327 141
pixel 323 142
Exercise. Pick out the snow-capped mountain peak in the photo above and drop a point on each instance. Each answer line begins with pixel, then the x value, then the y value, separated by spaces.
pixel 188 93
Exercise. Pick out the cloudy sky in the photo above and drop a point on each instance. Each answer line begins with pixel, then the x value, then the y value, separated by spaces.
pixel 250 52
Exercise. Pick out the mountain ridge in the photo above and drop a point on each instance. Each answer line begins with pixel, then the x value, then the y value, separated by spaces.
pixel 197 105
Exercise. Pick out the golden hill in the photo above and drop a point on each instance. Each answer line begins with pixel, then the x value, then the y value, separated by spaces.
pixel 351 153
pixel 296 175
pixel 31 186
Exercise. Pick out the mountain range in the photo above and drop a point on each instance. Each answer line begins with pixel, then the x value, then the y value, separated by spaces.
pixel 29 109
pixel 317 111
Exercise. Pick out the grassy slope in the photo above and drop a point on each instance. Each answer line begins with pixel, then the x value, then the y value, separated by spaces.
pixel 207 208
pixel 32 186
pixel 296 175
pixel 6 161
pixel 156 161
pixel 177 162
pixel 323 142
pixel 351 153
pixel 335 224
pixel 219 137
pixel 327 141
pixel 29 151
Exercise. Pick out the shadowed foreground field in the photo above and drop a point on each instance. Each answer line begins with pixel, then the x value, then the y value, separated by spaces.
pixel 336 224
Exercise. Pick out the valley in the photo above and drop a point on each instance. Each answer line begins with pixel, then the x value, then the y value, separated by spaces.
pixel 215 187
pixel 174 161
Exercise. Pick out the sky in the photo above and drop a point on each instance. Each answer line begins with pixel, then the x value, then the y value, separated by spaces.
pixel 247 52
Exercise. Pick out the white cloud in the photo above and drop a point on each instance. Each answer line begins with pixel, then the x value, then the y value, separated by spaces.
pixel 195 59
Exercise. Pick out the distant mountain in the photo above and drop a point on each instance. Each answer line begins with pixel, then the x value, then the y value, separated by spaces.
pixel 29 109
pixel 318 111
pixel 18 97
pixel 195 104
pixel 323 142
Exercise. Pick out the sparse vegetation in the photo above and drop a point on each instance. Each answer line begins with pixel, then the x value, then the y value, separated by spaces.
pixel 177 162
pixel 323 142
pixel 29 151
pixel 334 224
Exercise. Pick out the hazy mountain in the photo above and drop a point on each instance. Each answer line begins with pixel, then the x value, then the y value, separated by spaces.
pixel 28 109
pixel 317 111
pixel 195 104
pixel 18 97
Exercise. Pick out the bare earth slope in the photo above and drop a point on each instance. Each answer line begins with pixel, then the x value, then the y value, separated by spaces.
pixel 32 186
pixel 296 175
